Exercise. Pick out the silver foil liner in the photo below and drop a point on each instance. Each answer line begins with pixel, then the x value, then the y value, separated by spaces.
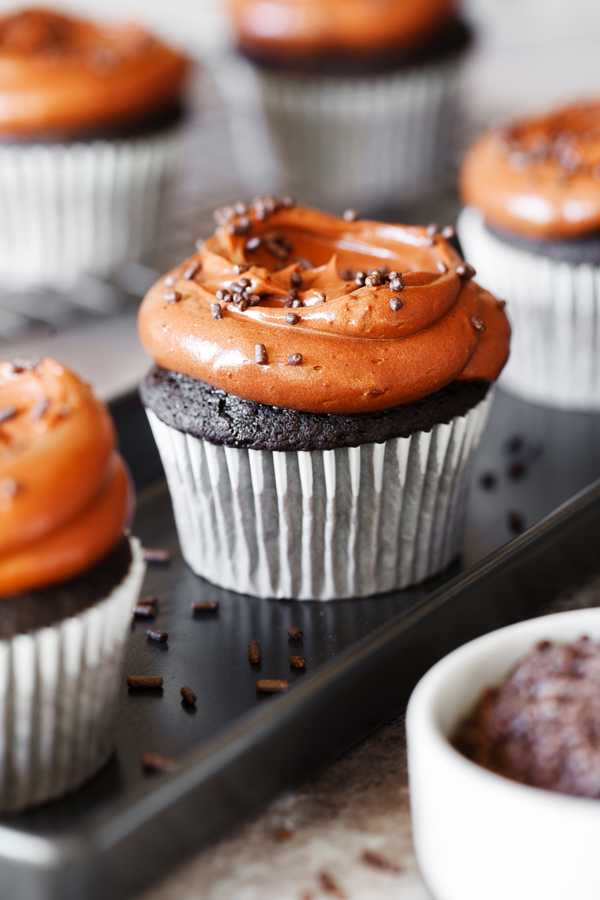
pixel 321 525
pixel 58 694
pixel 554 308
pixel 80 208
pixel 369 140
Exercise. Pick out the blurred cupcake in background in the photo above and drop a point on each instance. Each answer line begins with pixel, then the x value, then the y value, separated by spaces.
pixel 531 228
pixel 358 96
pixel 88 143
pixel 69 578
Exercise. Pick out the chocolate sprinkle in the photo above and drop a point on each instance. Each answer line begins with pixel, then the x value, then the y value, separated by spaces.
pixel 297 662
pixel 223 294
pixel 442 267
pixel 288 202
pixel 39 409
pixel 192 270
pixel 142 611
pixel 8 412
pixel 371 858
pixel 516 521
pixel 172 296
pixel 170 281
pixel 272 685
pixel 295 633
pixel 296 279
pixel 396 304
pixel 397 283
pixel 350 215
pixel 216 311
pixel 448 232
pixel 465 271
pixel 292 319
pixel 144 682
pixel 156 634
pixel 244 226
pixel 155 556
pixel 294 359
pixel 205 606
pixel 260 355
pixel 152 762
pixel 188 696
pixel 253 244
pixel 254 654
pixel 488 480
pixel 432 229
pixel 374 279
pixel 478 324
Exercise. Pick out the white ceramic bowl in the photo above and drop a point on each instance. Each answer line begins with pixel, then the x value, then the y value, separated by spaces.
pixel 479 836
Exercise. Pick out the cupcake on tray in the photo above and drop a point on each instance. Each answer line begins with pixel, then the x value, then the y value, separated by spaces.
pixel 320 388
pixel 69 578
pixel 359 96
pixel 531 227
pixel 88 143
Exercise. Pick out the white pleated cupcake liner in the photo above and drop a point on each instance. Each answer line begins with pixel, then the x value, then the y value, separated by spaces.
pixel 80 208
pixel 321 525
pixel 554 308
pixel 367 140
pixel 58 695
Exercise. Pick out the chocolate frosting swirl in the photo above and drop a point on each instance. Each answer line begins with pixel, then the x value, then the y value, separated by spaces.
pixel 339 342
pixel 540 177
pixel 64 490
pixel 67 75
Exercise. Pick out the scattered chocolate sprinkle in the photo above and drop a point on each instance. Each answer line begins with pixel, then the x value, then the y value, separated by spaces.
pixel 350 215
pixel 188 696
pixel 254 654
pixel 347 275
pixel 359 278
pixel 296 279
pixel 291 295
pixel 516 521
pixel 272 685
pixel 432 229
pixel 288 202
pixel 205 606
pixel 516 469
pixel 241 267
pixel 448 232
pixel 292 319
pixel 148 601
pixel 253 244
pixel 465 271
pixel 241 302
pixel 39 409
pixel 155 556
pixel 397 283
pixel 488 480
pixel 320 296
pixel 8 412
pixel 295 633
pixel 370 858
pixel 144 682
pixel 478 324
pixel 192 270
pixel 253 299
pixel 260 355
pixel 297 304
pixel 144 612
pixel 442 267
pixel 223 294
pixel 374 279
pixel 216 311
pixel 294 359
pixel 170 281
pixel 500 304
pixel 25 363
pixel 172 296
pixel 331 886
pixel 240 228
pixel 396 304
pixel 244 282
pixel 156 635
pixel 297 662
pixel 152 762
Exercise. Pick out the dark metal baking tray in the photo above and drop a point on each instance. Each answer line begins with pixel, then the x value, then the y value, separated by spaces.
pixel 237 748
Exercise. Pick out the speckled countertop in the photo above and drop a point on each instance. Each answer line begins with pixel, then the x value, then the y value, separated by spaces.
pixel 344 832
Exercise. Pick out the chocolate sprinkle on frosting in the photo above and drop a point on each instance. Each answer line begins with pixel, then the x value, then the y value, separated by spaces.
pixel 260 355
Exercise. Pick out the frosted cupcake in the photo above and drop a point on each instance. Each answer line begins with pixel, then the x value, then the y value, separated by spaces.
pixel 531 228
pixel 88 144
pixel 358 96
pixel 320 388
pixel 69 579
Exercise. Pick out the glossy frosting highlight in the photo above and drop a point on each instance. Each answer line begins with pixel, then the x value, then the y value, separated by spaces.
pixel 357 354
pixel 318 27
pixel 540 177
pixel 64 490
pixel 63 74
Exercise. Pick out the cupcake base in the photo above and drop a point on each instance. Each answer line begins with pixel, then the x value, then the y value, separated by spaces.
pixel 321 524
pixel 58 692
pixel 554 308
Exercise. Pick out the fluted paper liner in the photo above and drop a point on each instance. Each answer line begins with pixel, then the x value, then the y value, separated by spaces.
pixel 58 694
pixel 554 308
pixel 80 208
pixel 321 525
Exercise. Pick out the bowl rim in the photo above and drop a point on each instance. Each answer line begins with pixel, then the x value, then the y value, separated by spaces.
pixel 422 720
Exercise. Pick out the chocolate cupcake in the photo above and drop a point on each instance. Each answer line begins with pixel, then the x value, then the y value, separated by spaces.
pixel 88 144
pixel 358 97
pixel 69 579
pixel 531 229
pixel 320 388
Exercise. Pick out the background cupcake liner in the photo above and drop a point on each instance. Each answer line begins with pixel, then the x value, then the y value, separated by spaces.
pixel 554 308
pixel 58 693
pixel 68 209
pixel 371 140
pixel 321 525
